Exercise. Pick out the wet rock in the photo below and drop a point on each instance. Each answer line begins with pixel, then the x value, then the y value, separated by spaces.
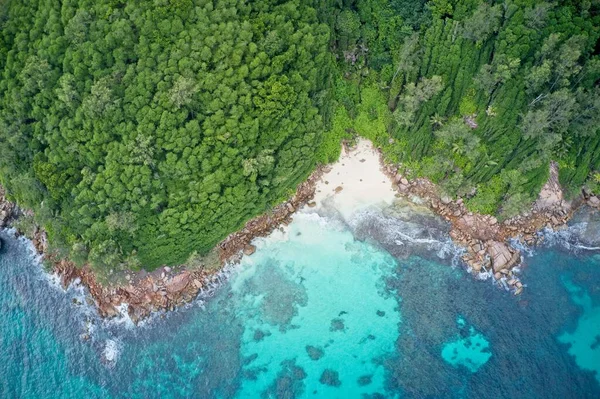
pixel 108 310
pixel 502 257
pixel 519 291
pixel 476 266
pixel 338 189
pixel 314 352
pixel 380 313
pixel 331 378
pixel 312 204
pixel 249 249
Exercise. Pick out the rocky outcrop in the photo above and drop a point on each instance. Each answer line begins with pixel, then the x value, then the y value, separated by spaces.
pixel 502 256
pixel 143 295
pixel 484 238
pixel 7 209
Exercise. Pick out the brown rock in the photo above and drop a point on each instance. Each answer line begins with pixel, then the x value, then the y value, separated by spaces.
pixel 594 201
pixel 500 254
pixel 312 204
pixel 338 189
pixel 178 283
pixel 404 181
pixel 249 249
pixel 108 310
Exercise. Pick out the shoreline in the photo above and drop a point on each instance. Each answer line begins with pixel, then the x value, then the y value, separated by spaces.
pixel 484 238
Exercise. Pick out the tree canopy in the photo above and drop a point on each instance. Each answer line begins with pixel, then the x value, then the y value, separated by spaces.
pixel 142 131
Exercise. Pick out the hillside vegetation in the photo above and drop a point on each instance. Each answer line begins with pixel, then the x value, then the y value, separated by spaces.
pixel 143 132
pixel 479 95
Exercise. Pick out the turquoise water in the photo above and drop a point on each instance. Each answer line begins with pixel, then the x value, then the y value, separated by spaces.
pixel 370 308
pixel 471 351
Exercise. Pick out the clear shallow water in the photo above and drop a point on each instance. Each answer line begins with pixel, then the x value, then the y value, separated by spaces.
pixel 371 308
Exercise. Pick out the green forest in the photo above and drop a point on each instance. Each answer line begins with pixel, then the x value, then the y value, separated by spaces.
pixel 142 133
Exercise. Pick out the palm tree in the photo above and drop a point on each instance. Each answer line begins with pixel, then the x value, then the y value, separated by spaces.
pixel 437 120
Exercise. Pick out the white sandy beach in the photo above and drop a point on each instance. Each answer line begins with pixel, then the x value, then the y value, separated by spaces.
pixel 363 183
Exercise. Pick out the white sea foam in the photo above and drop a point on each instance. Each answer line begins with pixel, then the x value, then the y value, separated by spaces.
pixel 569 238
pixel 123 319
pixel 111 352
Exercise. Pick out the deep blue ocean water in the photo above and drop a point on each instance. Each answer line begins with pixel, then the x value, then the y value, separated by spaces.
pixel 377 307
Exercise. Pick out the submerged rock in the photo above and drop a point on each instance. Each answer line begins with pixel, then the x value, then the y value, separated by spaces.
pixel 337 325
pixel 331 378
pixel 259 335
pixel 364 380
pixel 314 352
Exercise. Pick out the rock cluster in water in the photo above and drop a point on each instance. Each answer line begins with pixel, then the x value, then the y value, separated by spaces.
pixel 483 236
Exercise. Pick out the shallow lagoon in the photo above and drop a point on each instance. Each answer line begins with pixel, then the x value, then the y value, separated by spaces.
pixel 327 309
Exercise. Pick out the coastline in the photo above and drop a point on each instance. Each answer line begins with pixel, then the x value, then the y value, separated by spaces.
pixel 163 289
pixel 484 238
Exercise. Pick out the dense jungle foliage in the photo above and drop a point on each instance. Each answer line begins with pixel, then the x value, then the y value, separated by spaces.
pixel 143 132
